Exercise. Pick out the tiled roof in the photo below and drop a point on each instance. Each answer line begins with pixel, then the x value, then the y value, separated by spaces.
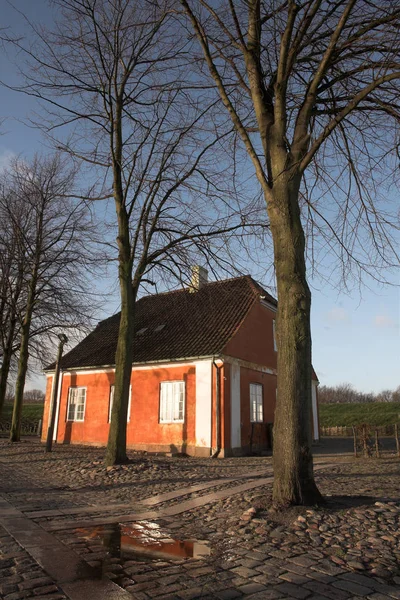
pixel 174 325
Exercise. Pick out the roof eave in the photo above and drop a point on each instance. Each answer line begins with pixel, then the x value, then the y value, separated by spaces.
pixel 138 364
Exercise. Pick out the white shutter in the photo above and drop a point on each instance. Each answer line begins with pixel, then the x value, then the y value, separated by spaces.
pixel 111 402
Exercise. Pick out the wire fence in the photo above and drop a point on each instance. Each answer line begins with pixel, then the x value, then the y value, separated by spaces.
pixel 28 427
pixel 345 431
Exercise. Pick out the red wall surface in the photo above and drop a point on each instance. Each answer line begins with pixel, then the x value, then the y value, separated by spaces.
pixel 268 382
pixel 254 341
pixel 144 427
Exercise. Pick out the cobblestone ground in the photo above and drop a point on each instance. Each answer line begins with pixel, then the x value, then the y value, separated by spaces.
pixel 349 548
pixel 20 576
pixel 76 475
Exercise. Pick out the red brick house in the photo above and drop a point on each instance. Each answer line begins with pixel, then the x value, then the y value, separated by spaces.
pixel 203 377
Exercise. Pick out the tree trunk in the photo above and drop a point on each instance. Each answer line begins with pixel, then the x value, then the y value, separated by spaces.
pixel 4 371
pixel 5 367
pixel 8 349
pixel 293 466
pixel 15 433
pixel 116 445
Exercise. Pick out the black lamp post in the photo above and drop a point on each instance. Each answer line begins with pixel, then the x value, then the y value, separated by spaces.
pixel 53 408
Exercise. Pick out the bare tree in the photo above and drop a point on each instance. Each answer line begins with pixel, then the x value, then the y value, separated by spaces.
pixel 312 89
pixel 12 272
pixel 343 393
pixel 385 396
pixel 55 231
pixel 34 396
pixel 118 71
pixel 396 394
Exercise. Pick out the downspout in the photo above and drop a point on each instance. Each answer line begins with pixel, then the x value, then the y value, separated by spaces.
pixel 217 408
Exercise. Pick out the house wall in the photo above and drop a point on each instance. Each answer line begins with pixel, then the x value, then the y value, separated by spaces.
pixel 144 431
pixel 240 435
pixel 254 341
pixel 254 436
pixel 248 355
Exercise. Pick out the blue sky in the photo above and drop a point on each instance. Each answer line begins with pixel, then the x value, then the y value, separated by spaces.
pixel 356 336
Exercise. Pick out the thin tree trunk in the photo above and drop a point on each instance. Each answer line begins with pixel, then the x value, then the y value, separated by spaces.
pixel 293 465
pixel 15 433
pixel 8 349
pixel 116 445
pixel 4 371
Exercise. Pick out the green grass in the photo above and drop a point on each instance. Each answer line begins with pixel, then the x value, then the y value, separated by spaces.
pixel 29 412
pixel 373 413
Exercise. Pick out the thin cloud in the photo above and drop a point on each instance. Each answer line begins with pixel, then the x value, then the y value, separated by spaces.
pixel 6 156
pixel 384 321
pixel 338 314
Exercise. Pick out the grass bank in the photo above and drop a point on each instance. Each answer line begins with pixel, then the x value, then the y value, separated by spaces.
pixel 31 412
pixel 371 413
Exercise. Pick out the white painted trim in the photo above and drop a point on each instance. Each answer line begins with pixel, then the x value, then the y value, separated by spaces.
pixel 179 362
pixel 89 371
pixel 111 400
pixel 203 403
pixel 247 365
pixel 51 406
pixel 167 383
pixel 254 399
pixel 236 439
pixel 76 387
pixel 267 304
pixel 314 385
pixel 58 401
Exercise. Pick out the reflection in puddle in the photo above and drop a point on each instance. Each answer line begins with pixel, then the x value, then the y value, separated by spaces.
pixel 144 539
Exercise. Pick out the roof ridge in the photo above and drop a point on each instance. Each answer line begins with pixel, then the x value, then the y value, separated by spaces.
pixel 257 287
pixel 186 289
pixel 194 324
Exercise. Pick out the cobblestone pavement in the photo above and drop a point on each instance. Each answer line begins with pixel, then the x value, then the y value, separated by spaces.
pixel 20 575
pixel 349 548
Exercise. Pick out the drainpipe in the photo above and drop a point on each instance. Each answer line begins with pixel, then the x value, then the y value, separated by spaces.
pixel 217 407
pixel 53 407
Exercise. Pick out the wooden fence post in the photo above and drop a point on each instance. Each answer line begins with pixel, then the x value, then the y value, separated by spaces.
pixel 365 441
pixel 396 435
pixel 377 443
pixel 355 440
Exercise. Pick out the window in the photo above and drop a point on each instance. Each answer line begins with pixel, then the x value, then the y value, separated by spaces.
pixel 256 403
pixel 110 405
pixel 172 402
pixel 274 334
pixel 76 404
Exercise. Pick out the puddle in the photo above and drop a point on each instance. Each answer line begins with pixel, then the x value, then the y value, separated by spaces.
pixel 143 539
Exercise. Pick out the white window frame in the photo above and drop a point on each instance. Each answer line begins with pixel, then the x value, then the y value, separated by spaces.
pixel 256 403
pixel 111 400
pixel 274 335
pixel 76 390
pixel 172 402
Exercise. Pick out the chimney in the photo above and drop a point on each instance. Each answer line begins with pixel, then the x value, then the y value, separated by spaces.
pixel 199 278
